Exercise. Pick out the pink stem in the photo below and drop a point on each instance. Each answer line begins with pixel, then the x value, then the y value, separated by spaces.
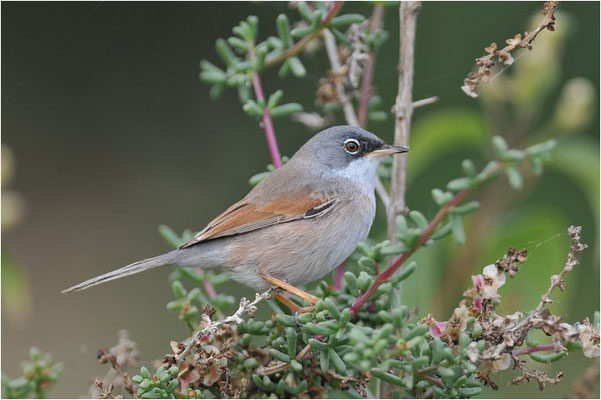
pixel 386 274
pixel 533 349
pixel 338 277
pixel 209 288
pixel 272 142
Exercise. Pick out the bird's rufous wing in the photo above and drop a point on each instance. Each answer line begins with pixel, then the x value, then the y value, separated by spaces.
pixel 247 215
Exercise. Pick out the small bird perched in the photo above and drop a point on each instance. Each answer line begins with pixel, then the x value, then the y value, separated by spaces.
pixel 296 225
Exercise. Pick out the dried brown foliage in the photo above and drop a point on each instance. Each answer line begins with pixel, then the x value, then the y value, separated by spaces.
pixel 486 63
pixel 124 354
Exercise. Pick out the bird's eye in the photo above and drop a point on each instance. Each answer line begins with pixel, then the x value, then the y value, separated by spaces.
pixel 351 146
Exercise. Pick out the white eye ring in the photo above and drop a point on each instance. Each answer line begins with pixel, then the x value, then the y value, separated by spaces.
pixel 352 146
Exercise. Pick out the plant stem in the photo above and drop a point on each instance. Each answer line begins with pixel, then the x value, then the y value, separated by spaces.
pixel 298 46
pixel 424 102
pixel 209 288
pixel 366 91
pixel 442 213
pixel 339 277
pixel 403 109
pixel 386 274
pixel 272 142
pixel 533 349
pixel 282 366
pixel 484 63
pixel 433 380
pixel 245 307
pixel 366 83
pixel 211 293
pixel 343 98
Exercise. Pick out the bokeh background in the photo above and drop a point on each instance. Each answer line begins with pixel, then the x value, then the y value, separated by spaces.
pixel 108 133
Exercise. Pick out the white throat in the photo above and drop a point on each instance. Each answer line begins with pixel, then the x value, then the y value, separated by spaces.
pixel 363 171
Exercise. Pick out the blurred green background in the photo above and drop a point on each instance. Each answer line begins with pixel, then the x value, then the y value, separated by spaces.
pixel 112 134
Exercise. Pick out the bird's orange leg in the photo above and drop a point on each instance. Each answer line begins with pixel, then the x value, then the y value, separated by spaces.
pixel 292 306
pixel 292 289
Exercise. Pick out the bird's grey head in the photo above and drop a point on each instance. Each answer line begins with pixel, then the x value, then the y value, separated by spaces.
pixel 345 148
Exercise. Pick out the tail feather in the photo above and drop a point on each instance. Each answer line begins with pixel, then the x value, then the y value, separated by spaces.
pixel 166 259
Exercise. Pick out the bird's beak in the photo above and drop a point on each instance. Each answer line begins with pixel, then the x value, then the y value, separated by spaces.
pixel 388 149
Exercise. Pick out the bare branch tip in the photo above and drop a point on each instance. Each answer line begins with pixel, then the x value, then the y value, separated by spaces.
pixel 485 63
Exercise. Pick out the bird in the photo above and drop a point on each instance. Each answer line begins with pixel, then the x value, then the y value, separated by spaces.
pixel 296 225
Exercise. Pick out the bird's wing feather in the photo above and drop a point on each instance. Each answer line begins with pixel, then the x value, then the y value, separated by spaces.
pixel 249 215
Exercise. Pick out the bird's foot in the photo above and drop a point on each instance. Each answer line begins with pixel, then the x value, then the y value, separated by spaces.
pixel 292 289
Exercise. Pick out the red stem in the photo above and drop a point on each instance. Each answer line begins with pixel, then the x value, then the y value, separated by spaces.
pixel 442 213
pixel 385 275
pixel 272 142
pixel 258 88
pixel 338 277
pixel 209 288
pixel 533 349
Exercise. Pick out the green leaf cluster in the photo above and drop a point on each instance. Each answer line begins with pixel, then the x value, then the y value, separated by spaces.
pixel 244 56
pixel 40 374
pixel 161 385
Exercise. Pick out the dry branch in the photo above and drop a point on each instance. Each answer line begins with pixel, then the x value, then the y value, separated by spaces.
pixel 424 102
pixel 245 307
pixel 105 356
pixel 511 330
pixel 124 354
pixel 402 110
pixel 504 56
pixel 343 98
pixel 503 334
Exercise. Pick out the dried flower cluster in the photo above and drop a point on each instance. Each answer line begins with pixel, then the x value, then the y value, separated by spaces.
pixel 121 356
pixel 503 334
pixel 210 327
pixel 485 63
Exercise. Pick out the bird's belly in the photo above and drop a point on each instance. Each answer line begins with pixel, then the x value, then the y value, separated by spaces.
pixel 300 251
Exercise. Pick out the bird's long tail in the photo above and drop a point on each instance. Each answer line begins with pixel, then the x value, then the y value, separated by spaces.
pixel 171 258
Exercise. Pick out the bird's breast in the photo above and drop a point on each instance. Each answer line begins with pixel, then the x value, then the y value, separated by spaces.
pixel 304 250
pixel 356 217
